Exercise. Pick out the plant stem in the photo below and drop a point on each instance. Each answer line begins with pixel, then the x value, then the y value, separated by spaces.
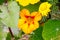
pixel 11 32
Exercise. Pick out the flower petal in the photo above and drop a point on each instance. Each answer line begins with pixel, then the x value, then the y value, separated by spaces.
pixel 25 28
pixel 44 8
pixel 24 13
pixel 34 1
pixel 36 25
pixel 30 28
pixel 20 22
pixel 49 5
pixel 37 15
pixel 33 27
pixel 23 2
pixel 45 12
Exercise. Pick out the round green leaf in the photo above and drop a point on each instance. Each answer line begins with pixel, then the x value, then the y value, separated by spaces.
pixel 51 30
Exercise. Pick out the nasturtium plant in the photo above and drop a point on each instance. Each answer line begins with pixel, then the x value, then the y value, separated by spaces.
pixel 29 20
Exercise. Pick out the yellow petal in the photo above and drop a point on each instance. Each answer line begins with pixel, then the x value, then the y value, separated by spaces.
pixel 36 25
pixel 33 27
pixel 20 22
pixel 23 13
pixel 34 1
pixel 30 28
pixel 25 28
pixel 49 5
pixel 44 8
pixel 23 2
pixel 45 12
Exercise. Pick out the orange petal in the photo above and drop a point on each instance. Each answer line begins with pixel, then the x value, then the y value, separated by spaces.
pixel 37 15
pixel 24 13
pixel 33 13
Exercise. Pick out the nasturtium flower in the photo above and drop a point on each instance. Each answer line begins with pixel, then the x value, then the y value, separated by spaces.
pixel 27 2
pixel 44 8
pixel 29 22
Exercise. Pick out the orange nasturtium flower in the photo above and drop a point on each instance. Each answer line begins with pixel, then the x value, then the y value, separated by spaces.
pixel 44 8
pixel 29 22
pixel 27 2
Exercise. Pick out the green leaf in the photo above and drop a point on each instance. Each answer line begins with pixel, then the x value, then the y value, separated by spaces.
pixel 1 33
pixel 10 14
pixel 51 30
pixel 37 34
pixel 16 38
pixel 31 7
pixel 54 8
pixel 43 0
pixel 14 13
pixel 8 36
pixel 1 1
pixel 53 1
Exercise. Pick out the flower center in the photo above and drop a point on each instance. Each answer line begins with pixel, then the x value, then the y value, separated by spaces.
pixel 29 18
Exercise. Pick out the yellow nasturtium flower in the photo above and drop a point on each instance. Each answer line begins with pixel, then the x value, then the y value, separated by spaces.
pixel 27 2
pixel 28 22
pixel 44 8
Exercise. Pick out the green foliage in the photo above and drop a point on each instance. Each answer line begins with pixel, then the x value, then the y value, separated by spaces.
pixel 43 0
pixel 1 1
pixel 31 7
pixel 16 38
pixel 55 13
pixel 54 6
pixel 8 36
pixel 10 14
pixel 37 34
pixel 51 30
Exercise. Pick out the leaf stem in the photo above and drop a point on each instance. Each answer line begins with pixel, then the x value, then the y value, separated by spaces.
pixel 11 32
